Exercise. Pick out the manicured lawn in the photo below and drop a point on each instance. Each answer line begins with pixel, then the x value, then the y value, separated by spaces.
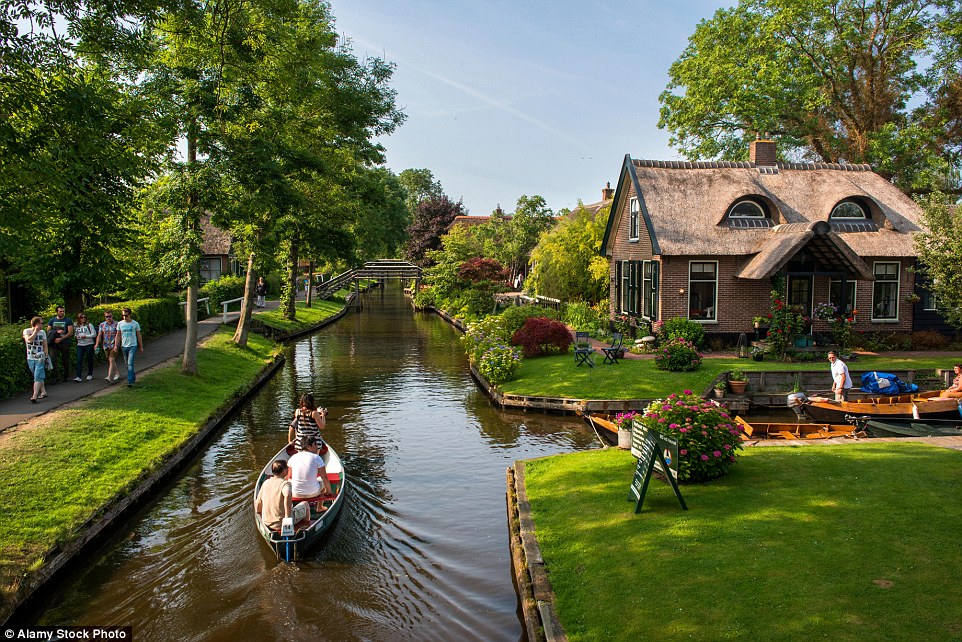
pixel 855 542
pixel 557 376
pixel 57 476
pixel 304 317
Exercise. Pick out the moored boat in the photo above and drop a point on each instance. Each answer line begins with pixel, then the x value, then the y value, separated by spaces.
pixel 768 430
pixel 927 405
pixel 889 427
pixel 606 429
pixel 306 533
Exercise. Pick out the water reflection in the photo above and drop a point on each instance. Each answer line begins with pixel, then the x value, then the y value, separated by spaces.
pixel 420 551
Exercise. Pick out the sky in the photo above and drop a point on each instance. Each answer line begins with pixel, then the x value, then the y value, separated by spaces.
pixel 524 97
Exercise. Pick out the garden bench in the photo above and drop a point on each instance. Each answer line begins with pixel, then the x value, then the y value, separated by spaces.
pixel 584 353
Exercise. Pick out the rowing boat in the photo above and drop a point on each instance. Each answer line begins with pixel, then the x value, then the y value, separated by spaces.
pixel 926 405
pixel 887 427
pixel 767 430
pixel 307 532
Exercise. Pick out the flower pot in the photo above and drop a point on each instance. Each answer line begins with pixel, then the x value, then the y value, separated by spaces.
pixel 737 387
pixel 719 393
pixel 624 439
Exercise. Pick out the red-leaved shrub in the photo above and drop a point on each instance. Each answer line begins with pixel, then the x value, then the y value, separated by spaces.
pixel 540 335
pixel 480 269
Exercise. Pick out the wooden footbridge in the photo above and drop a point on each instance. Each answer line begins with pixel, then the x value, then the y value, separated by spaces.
pixel 380 270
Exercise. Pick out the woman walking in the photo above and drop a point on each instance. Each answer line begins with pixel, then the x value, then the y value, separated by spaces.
pixel 106 338
pixel 86 335
pixel 36 340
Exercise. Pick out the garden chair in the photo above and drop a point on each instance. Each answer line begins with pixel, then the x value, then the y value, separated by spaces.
pixel 584 353
pixel 613 352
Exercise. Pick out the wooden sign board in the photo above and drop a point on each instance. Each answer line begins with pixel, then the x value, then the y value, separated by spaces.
pixel 668 446
pixel 649 444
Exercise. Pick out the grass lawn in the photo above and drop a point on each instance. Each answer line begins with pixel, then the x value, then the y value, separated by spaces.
pixel 856 542
pixel 64 467
pixel 304 317
pixel 557 376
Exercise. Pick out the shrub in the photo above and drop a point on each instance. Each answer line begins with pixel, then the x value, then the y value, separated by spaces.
pixel 623 419
pixel 480 269
pixel 541 335
pixel 424 298
pixel 484 334
pixel 499 363
pixel 708 439
pixel 929 340
pixel 514 318
pixel 223 289
pixel 584 318
pixel 685 329
pixel 678 355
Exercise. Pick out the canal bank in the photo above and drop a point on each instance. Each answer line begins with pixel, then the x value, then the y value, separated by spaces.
pixel 24 576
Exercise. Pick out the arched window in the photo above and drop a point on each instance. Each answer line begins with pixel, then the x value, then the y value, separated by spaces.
pixel 746 209
pixel 848 210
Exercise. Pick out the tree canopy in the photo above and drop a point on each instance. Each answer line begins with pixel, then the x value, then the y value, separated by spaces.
pixel 939 247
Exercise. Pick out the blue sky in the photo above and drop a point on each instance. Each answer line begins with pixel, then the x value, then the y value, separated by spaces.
pixel 505 98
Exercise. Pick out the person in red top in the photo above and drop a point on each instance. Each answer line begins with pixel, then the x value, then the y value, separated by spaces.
pixel 955 390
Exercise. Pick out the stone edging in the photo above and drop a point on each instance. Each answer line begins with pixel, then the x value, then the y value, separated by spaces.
pixel 531 578
pixel 60 558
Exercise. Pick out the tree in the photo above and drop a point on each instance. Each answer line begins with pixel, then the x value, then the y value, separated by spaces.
pixel 939 245
pixel 514 238
pixel 566 264
pixel 419 185
pixel 832 81
pixel 432 218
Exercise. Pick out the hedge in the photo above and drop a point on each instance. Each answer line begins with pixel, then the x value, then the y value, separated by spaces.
pixel 156 317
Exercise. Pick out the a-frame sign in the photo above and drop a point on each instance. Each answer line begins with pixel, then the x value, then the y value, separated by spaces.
pixel 653 450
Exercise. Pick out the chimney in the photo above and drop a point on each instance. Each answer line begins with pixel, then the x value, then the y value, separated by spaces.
pixel 762 152
pixel 607 193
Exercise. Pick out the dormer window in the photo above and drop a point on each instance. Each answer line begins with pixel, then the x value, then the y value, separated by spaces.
pixel 746 209
pixel 848 211
pixel 748 213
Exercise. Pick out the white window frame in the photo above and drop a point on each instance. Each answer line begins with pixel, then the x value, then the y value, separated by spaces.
pixel 633 216
pixel 649 292
pixel 759 208
pixel 898 284
pixel 714 318
pixel 863 217
pixel 854 287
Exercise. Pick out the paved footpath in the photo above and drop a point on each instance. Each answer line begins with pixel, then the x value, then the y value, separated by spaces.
pixel 156 351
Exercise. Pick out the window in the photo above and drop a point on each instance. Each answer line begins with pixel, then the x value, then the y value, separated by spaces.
pixel 746 209
pixel 210 270
pixel 835 294
pixel 929 301
pixel 885 295
pixel 649 300
pixel 702 290
pixel 633 219
pixel 848 210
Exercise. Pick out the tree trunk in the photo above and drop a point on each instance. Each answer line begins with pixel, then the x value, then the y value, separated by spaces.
pixel 308 295
pixel 189 364
pixel 244 323
pixel 289 309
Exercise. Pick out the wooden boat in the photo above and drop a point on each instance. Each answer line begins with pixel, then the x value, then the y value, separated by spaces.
pixel 606 429
pixel 307 532
pixel 765 430
pixel 886 427
pixel 927 405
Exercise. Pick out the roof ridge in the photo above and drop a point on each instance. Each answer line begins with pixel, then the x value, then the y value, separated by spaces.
pixel 660 164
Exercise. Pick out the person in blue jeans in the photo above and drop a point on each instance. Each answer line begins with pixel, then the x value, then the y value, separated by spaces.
pixel 129 339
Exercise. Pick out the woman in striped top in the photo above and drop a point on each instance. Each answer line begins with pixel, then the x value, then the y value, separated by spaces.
pixel 308 421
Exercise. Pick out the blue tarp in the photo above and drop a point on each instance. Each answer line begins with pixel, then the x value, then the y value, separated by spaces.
pixel 885 384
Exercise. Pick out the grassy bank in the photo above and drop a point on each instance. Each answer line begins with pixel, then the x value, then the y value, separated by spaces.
pixel 63 468
pixel 842 543
pixel 557 376
pixel 304 317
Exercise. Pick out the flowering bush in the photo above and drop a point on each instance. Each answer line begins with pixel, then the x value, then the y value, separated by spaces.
pixel 499 363
pixel 482 335
pixel 824 311
pixel 786 323
pixel 708 439
pixel 542 336
pixel 678 355
pixel 658 328
pixel 623 419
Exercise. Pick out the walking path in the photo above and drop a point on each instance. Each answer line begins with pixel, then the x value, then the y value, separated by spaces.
pixel 156 351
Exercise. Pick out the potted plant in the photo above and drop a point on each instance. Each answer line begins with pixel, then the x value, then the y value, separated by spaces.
pixel 796 396
pixel 623 421
pixel 737 381
pixel 720 388
pixel 760 322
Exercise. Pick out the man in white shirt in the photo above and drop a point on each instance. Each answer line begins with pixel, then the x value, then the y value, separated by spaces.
pixel 841 380
pixel 308 474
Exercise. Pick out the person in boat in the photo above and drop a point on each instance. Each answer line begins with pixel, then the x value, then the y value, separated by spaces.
pixel 274 500
pixel 841 379
pixel 308 421
pixel 308 474
pixel 955 390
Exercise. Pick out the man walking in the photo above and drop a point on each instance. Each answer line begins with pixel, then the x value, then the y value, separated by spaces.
pixel 841 381
pixel 59 331
pixel 129 339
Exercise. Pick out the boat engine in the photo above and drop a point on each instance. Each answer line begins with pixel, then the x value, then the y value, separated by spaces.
pixel 795 401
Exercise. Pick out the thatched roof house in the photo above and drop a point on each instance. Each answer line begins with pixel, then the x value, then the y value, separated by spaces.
pixel 702 240
pixel 215 249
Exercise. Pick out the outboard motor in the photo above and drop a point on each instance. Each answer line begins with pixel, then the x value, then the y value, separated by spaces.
pixel 795 401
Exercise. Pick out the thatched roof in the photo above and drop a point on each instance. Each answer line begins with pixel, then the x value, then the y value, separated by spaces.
pixel 818 239
pixel 685 205
pixel 216 240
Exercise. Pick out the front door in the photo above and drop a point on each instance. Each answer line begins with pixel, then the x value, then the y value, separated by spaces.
pixel 800 293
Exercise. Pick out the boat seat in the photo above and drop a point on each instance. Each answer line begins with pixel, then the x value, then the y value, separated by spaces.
pixel 784 434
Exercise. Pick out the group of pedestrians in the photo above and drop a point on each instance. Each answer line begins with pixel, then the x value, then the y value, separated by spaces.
pixel 50 348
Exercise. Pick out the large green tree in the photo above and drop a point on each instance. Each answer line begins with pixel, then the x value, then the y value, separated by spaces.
pixel 831 80
pixel 939 247
pixel 566 264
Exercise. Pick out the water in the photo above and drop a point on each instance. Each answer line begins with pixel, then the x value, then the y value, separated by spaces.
pixel 420 550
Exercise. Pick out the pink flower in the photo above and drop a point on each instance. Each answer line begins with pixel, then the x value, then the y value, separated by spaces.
pixel 661 420
pixel 687 392
pixel 717 453
pixel 682 452
pixel 673 426
pixel 681 429
pixel 704 457
pixel 728 446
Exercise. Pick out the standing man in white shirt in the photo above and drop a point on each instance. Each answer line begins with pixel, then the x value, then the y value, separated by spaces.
pixel 841 380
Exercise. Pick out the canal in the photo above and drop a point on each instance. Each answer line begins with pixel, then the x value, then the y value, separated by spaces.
pixel 420 550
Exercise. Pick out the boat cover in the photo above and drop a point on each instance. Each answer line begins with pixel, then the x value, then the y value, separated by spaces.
pixel 885 384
